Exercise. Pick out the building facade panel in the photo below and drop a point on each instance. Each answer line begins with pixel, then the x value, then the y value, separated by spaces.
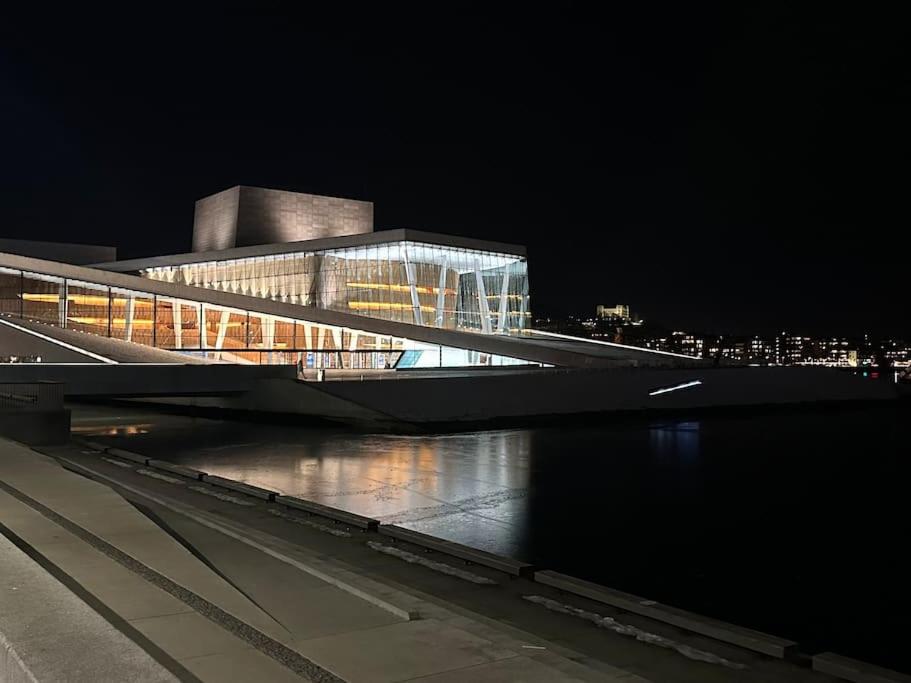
pixel 246 216
pixel 405 281
pixel 217 332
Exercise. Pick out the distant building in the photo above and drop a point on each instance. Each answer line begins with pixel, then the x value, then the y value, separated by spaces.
pixel 761 349
pixel 618 312
pixel 689 344
pixel 898 352
pixel 790 349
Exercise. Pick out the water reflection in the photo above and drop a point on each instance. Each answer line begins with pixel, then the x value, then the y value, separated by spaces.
pixel 472 488
pixel 107 427
pixel 675 440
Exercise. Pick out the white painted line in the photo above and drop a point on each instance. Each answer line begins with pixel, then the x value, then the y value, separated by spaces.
pixel 58 342
pixel 676 387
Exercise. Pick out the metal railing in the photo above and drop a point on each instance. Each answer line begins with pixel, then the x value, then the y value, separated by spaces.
pixel 31 396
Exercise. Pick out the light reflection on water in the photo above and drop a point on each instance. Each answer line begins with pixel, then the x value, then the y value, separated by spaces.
pixel 466 487
pixel 680 439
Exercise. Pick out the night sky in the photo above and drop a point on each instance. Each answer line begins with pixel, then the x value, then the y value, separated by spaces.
pixel 718 170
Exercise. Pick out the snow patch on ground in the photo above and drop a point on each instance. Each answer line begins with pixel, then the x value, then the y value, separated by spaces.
pixel 310 523
pixel 632 631
pixel 158 475
pixel 430 564
pixel 119 463
pixel 222 496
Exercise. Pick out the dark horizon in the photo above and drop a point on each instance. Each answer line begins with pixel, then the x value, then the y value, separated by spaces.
pixel 739 171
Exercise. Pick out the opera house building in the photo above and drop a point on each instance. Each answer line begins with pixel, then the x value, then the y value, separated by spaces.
pixel 304 283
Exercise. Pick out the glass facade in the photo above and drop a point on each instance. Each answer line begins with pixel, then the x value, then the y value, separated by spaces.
pixel 410 282
pixel 218 332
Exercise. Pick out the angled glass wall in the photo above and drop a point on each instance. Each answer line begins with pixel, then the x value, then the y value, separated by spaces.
pixel 218 332
pixel 410 282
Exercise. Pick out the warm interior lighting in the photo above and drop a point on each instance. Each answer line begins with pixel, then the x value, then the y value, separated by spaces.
pixel 383 306
pixel 120 322
pixel 83 299
pixel 398 288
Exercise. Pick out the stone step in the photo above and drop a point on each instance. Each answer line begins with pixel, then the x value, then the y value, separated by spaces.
pixel 719 630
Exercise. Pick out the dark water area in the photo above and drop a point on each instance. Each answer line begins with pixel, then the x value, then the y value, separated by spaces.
pixel 791 523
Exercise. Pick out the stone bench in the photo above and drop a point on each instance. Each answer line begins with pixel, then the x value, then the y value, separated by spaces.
pixel 239 486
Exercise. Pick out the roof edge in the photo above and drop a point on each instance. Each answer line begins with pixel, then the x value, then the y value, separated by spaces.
pixel 324 243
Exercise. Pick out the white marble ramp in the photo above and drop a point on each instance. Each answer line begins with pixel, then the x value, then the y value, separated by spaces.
pixel 48 634
pixel 101 512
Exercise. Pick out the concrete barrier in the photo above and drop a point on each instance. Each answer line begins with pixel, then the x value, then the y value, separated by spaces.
pixel 188 472
pixel 335 514
pixel 719 630
pixel 127 455
pixel 463 552
pixel 853 670
pixel 238 486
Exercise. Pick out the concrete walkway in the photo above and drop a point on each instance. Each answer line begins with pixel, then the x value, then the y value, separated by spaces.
pixel 188 602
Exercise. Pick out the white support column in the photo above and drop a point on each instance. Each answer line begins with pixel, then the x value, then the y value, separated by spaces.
pixel 441 295
pixel 62 304
pixel 177 315
pixel 523 305
pixel 268 323
pixel 504 302
pixel 320 344
pixel 307 334
pixel 203 332
pixel 128 322
pixel 222 329
pixel 412 284
pixel 483 308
